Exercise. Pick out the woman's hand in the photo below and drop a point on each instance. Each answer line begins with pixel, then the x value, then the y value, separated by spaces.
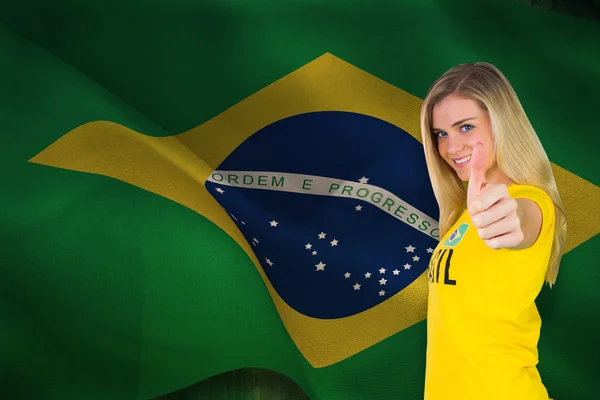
pixel 494 213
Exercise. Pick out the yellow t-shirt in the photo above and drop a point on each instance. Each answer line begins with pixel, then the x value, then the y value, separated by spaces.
pixel 483 324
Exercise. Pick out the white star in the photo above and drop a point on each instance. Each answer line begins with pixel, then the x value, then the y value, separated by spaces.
pixel 320 266
pixel 357 287
pixel 322 235
pixel 396 272
pixel 382 271
pixel 382 281
pixel 334 242
pixel 382 292
pixel 254 243
pixel 220 190
pixel 368 275
pixel 243 223
pixel 416 258
pixel 308 246
pixel 273 223
pixel 269 262
pixel 430 250
pixel 233 216
pixel 255 240
pixel 314 253
pixel 363 180
pixel 410 249
pixel 358 208
pixel 347 275
pixel 407 266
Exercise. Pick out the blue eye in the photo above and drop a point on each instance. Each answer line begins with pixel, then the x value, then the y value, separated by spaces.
pixel 464 128
pixel 440 134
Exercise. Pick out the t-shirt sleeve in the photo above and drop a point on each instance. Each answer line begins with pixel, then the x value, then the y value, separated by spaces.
pixel 543 201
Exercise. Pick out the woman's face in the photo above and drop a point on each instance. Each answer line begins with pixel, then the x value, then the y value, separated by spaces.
pixel 458 123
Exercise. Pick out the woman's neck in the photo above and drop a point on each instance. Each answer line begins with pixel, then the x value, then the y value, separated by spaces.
pixel 496 175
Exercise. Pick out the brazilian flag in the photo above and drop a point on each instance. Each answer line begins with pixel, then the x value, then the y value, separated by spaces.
pixel 194 187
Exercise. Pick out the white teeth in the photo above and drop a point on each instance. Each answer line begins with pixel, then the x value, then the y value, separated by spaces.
pixel 463 160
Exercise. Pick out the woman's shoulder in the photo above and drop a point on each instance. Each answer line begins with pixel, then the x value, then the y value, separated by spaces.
pixel 531 192
pixel 543 201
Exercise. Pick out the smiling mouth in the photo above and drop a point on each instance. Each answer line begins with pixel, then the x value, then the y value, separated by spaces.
pixel 461 162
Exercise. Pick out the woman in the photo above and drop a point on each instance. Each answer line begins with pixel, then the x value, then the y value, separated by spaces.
pixel 503 231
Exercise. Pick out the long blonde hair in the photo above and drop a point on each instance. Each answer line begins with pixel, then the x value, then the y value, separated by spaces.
pixel 517 148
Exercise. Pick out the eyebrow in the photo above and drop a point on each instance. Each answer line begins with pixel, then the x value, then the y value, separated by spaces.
pixel 456 123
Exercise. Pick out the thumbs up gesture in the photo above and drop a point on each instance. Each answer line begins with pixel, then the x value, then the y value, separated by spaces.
pixel 493 212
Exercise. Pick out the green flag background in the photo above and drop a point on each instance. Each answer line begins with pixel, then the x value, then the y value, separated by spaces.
pixel 111 292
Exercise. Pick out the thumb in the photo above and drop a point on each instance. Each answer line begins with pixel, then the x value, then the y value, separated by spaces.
pixel 477 179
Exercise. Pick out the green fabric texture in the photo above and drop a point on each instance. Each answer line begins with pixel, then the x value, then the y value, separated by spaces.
pixel 111 292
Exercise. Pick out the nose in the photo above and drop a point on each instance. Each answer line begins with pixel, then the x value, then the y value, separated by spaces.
pixel 455 144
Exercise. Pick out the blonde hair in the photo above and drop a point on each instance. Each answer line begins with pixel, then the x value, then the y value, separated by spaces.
pixel 517 148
